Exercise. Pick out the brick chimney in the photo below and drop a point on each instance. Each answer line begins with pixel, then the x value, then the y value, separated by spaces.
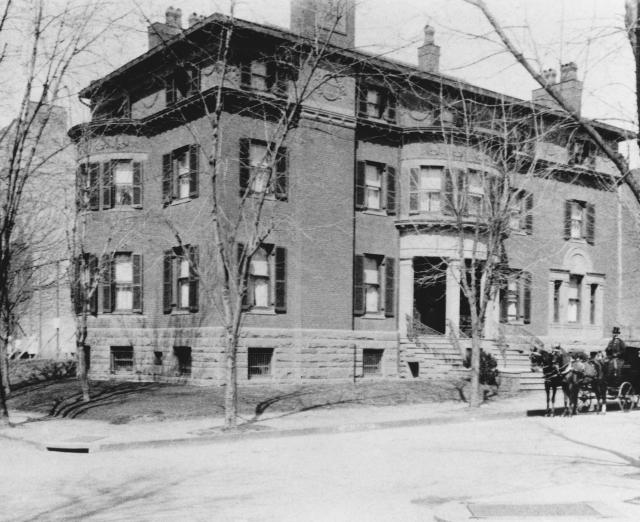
pixel 323 18
pixel 194 18
pixel 161 32
pixel 429 52
pixel 569 87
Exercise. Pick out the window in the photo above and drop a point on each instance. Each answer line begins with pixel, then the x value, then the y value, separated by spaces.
pixel 259 362
pixel 182 84
pixel 180 279
pixel 256 169
pixel 375 187
pixel 425 188
pixel 557 285
pixel 123 183
pixel 266 279
pixel 121 359
pixel 583 153
pixel 377 103
pixel 574 305
pixel 180 174
pixel 122 283
pixel 264 75
pixel 116 183
pixel 183 359
pixel 580 220
pixel 373 285
pixel 520 212
pixel 515 298
pixel 157 358
pixel 372 362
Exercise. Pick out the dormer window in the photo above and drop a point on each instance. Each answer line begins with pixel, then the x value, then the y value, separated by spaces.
pixel 182 84
pixel 377 103
pixel 264 76
pixel 582 152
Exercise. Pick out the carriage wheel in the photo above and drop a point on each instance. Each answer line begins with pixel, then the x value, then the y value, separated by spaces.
pixel 627 397
pixel 584 401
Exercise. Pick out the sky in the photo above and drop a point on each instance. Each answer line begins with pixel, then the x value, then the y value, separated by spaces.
pixel 550 32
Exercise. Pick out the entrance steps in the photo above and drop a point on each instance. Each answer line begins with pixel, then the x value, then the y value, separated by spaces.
pixel 434 355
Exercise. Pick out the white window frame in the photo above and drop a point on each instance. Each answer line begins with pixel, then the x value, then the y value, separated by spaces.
pixel 122 287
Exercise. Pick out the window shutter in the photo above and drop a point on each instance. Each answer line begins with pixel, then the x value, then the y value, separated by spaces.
pixel 93 291
pixel 245 167
pixel 242 281
pixel 525 292
pixel 137 283
pixel 107 279
pixel 194 170
pixel 528 208
pixel 81 184
pixel 591 223
pixel 360 187
pixel 94 186
pixel 281 280
pixel 107 185
pixel 77 288
pixel 194 278
pixel 447 202
pixel 503 306
pixel 137 184
pixel 167 281
pixel 167 179
pixel 170 91
pixel 414 183
pixel 245 74
pixel 358 285
pixel 567 219
pixel 390 110
pixel 391 190
pixel 362 100
pixel 461 202
pixel 389 287
pixel 281 184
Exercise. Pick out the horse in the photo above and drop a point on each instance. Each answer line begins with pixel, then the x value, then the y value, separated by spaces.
pixel 592 376
pixel 570 380
pixel 552 376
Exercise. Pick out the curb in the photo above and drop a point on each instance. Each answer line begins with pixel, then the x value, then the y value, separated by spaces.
pixel 242 435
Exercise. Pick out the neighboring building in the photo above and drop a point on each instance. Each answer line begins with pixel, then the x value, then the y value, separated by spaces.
pixel 369 175
pixel 44 320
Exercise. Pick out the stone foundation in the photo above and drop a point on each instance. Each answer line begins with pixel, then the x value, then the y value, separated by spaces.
pixel 296 355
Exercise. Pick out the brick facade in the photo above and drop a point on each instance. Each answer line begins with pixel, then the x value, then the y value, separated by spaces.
pixel 324 227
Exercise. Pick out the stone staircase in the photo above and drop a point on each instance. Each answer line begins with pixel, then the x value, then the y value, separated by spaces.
pixel 435 355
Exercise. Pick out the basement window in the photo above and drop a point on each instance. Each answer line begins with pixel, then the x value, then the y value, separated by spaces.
pixel 259 362
pixel 121 359
pixel 183 359
pixel 372 362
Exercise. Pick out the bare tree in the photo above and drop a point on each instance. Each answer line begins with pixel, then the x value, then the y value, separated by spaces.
pixel 49 42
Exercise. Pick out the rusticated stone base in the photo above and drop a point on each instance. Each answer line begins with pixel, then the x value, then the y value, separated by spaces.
pixel 298 355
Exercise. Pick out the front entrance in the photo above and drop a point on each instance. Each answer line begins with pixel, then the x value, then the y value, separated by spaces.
pixel 430 292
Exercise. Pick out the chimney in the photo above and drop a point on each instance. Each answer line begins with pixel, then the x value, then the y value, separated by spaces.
pixel 325 18
pixel 569 87
pixel 194 18
pixel 429 53
pixel 161 32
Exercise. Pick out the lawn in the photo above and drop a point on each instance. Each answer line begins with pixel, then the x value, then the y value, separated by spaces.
pixel 123 402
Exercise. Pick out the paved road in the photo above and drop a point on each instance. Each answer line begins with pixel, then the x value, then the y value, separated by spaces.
pixel 393 474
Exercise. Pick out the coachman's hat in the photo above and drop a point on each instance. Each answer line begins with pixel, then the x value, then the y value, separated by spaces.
pixel 616 330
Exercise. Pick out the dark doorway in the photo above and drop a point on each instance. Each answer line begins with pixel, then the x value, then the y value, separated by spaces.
pixel 430 292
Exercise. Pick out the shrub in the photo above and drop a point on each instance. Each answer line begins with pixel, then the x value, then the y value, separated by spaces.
pixel 25 372
pixel 488 367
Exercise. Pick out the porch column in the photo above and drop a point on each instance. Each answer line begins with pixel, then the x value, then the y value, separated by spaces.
pixel 492 317
pixel 453 295
pixel 405 294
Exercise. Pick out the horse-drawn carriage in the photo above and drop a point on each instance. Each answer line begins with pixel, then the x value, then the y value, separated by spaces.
pixel 584 379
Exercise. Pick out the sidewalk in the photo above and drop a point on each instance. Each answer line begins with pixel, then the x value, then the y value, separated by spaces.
pixel 91 435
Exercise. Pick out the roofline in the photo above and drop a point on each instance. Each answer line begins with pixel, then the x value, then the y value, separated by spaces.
pixel 407 69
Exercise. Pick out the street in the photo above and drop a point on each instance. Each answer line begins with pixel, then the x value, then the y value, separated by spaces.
pixel 392 474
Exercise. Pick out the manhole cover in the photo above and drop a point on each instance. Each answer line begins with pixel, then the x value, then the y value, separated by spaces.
pixel 532 510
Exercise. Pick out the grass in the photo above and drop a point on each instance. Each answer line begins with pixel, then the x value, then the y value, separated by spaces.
pixel 123 402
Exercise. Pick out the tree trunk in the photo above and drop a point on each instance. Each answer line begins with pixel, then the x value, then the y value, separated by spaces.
pixel 4 412
pixel 4 369
pixel 81 357
pixel 475 398
pixel 231 389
